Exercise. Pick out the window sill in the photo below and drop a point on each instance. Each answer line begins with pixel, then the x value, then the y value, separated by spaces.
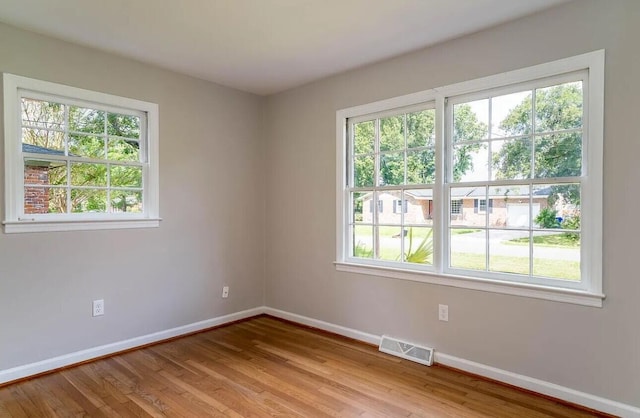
pixel 13 227
pixel 517 289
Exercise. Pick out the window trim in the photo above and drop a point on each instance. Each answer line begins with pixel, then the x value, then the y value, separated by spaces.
pixel 14 167
pixel 592 231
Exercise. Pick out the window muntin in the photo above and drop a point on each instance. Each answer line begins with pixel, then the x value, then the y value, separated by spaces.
pixel 393 164
pixel 91 159
pixel 526 158
pixel 524 190
pixel 77 159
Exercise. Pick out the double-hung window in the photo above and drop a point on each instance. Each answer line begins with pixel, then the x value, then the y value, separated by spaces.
pixel 392 156
pixel 77 159
pixel 502 178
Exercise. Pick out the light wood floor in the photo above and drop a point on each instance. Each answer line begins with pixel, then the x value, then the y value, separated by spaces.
pixel 264 367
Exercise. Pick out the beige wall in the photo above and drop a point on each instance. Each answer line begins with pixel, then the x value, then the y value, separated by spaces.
pixel 211 165
pixel 217 144
pixel 588 349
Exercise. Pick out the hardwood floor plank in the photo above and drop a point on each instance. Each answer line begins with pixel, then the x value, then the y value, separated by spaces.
pixel 265 367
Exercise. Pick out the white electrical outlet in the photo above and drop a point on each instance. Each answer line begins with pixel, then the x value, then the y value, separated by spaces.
pixel 98 307
pixel 443 312
pixel 225 292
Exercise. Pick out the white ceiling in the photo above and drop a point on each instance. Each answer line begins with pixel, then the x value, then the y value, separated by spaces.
pixel 261 46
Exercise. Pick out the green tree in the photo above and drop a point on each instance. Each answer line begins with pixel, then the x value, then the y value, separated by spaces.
pixel 466 127
pixel 556 153
pixel 87 129
pixel 420 159
pixel 556 150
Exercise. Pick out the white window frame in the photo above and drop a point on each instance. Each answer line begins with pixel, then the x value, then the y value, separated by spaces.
pixel 590 292
pixel 15 220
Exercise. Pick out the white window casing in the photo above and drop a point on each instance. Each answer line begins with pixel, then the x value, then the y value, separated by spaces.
pixel 16 220
pixel 588 290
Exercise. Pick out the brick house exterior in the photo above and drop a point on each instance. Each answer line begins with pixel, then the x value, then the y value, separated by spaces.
pixel 36 199
pixel 36 172
pixel 469 208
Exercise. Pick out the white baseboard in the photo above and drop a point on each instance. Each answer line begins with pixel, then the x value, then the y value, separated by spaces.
pixel 536 385
pixel 326 326
pixel 539 386
pixel 32 369
pixel 525 382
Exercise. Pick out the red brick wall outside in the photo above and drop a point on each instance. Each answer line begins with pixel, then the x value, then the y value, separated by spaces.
pixel 418 211
pixel 36 199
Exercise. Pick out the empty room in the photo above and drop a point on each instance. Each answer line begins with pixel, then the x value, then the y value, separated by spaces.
pixel 310 208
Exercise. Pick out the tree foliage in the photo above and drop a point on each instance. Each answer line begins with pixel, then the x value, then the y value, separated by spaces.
pixel 92 134
pixel 556 152
pixel 419 130
pixel 548 218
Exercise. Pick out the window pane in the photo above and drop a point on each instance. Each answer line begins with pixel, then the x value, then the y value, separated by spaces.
pixel 41 141
pixel 553 203
pixel 121 150
pixel 556 255
pixel 392 133
pixel 45 172
pixel 41 200
pixel 86 146
pixel 362 241
pixel 559 107
pixel 421 167
pixel 85 174
pixel 392 169
pixel 421 128
pixel 468 249
pixel 364 137
pixel 388 210
pixel 126 201
pixel 42 114
pixel 470 162
pixel 360 201
pixel 86 120
pixel 471 121
pixel 126 176
pixel 389 243
pixel 509 207
pixel 509 251
pixel 88 200
pixel 123 125
pixel 418 207
pixel 363 169
pixel 511 114
pixel 558 155
pixel 470 214
pixel 511 159
pixel 418 245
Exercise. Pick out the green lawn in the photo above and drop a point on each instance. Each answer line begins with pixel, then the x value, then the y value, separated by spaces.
pixel 390 231
pixel 560 269
pixel 455 231
pixel 418 231
pixel 555 240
